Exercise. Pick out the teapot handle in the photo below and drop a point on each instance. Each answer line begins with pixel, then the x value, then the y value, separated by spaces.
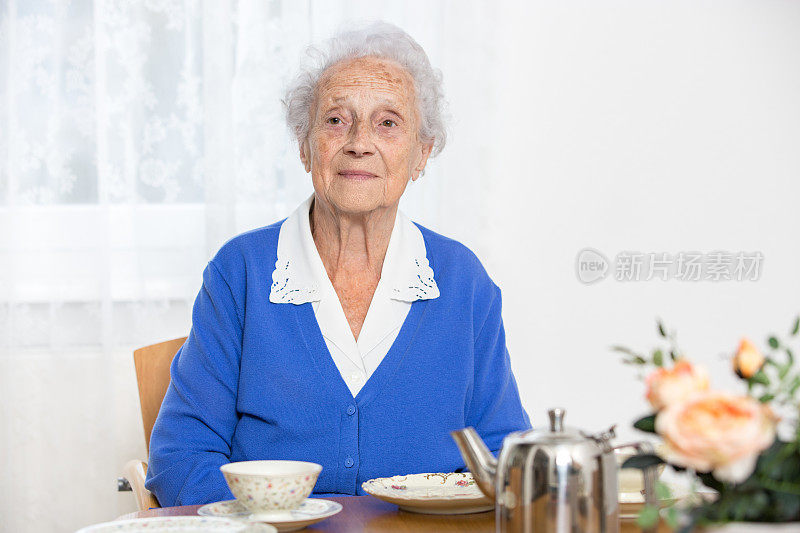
pixel 648 473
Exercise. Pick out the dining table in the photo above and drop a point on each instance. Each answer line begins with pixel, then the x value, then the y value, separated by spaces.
pixel 370 515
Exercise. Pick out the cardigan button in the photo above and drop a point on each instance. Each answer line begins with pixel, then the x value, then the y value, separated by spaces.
pixel 351 410
pixel 348 462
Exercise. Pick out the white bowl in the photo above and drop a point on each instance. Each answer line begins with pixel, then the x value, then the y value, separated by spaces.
pixel 263 486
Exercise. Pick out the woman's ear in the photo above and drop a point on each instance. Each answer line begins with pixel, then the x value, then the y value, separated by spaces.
pixel 420 168
pixel 305 157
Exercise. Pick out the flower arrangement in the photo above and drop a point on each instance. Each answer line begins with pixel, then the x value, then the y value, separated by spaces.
pixel 734 443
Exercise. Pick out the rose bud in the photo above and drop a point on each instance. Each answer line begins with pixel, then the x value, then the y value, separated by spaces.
pixel 748 360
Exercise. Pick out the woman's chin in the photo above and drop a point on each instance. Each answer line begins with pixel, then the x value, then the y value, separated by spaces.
pixel 357 197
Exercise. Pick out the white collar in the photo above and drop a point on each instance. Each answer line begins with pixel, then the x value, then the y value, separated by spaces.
pixel 298 275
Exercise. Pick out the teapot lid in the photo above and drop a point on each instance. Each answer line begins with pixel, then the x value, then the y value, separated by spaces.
pixel 560 434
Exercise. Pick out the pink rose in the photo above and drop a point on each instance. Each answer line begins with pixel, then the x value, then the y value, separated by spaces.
pixel 716 431
pixel 667 386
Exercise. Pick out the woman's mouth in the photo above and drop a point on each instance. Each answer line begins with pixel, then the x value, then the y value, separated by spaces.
pixel 359 175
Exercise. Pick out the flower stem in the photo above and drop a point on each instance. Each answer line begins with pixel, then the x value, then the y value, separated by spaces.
pixel 779 486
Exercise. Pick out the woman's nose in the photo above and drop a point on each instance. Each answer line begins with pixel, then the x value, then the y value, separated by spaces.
pixel 359 142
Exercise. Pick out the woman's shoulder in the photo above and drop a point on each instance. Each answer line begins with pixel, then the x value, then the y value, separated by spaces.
pixel 254 246
pixel 454 261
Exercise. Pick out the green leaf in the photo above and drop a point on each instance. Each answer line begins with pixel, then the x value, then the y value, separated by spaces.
pixel 773 342
pixel 756 506
pixel 658 358
pixel 635 357
pixel 642 461
pixel 663 492
pixel 646 423
pixel 673 355
pixel 661 330
pixel 672 518
pixel 760 377
pixel 789 357
pixel 764 398
pixel 786 506
pixel 648 517
pixel 795 384
pixel 711 482
pixel 796 327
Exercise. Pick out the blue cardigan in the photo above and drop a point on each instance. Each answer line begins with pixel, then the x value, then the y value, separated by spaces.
pixel 255 380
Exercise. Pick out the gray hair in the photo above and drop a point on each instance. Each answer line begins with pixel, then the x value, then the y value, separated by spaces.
pixel 378 39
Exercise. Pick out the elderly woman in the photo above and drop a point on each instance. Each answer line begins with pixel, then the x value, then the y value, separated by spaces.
pixel 346 334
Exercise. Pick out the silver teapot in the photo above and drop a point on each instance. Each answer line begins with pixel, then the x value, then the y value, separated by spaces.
pixel 551 481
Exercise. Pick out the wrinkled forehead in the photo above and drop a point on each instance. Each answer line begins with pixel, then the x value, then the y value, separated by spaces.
pixel 363 77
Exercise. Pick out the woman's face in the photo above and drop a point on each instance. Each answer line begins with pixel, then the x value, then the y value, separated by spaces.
pixel 363 144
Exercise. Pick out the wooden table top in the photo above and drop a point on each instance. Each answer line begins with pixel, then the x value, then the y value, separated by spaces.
pixel 370 515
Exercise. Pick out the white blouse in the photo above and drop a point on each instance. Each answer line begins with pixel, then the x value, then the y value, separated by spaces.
pixel 300 277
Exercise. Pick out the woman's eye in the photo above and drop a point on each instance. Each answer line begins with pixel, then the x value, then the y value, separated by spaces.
pixel 388 123
pixel 334 120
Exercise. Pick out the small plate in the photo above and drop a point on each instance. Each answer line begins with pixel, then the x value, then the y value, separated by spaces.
pixel 311 511
pixel 433 493
pixel 180 524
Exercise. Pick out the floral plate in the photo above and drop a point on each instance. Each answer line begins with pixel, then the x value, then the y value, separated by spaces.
pixel 311 511
pixel 434 493
pixel 180 524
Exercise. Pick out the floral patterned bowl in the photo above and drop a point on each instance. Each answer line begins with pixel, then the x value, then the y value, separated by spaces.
pixel 263 486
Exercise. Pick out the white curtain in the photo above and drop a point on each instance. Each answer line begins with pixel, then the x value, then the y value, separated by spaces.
pixel 135 138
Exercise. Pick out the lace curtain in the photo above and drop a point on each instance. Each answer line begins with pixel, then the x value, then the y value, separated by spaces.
pixel 138 135
pixel 135 138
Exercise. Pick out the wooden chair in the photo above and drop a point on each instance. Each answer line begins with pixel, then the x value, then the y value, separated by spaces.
pixel 152 374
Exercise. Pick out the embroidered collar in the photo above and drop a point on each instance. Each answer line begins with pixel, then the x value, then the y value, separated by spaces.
pixel 298 274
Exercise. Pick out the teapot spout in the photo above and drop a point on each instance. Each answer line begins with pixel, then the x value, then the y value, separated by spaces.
pixel 478 458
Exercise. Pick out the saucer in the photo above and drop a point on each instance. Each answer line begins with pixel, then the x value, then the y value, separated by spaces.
pixel 311 511
pixel 432 493
pixel 180 524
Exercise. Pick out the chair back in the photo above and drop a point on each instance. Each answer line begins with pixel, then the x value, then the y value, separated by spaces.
pixel 152 374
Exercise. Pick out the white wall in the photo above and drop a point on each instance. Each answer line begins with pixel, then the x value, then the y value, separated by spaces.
pixel 648 126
